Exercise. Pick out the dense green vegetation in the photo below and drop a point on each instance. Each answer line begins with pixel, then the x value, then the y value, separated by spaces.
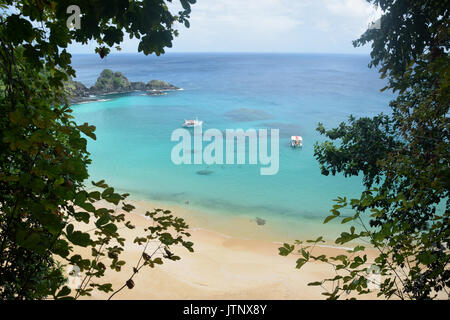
pixel 403 158
pixel 44 201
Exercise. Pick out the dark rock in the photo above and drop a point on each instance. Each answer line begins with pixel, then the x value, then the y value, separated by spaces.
pixel 76 91
pixel 138 86
pixel 155 93
pixel 204 172
pixel 260 222
pixel 160 85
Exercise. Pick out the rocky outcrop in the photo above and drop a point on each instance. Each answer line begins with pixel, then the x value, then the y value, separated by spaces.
pixel 155 93
pixel 77 92
pixel 114 82
pixel 160 86
pixel 138 86
pixel 109 82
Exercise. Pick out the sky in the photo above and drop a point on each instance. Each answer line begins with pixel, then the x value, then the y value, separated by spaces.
pixel 306 26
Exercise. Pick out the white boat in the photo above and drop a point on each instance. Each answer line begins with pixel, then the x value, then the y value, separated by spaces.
pixel 192 123
pixel 296 141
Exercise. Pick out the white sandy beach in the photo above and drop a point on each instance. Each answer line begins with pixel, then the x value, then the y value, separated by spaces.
pixel 223 265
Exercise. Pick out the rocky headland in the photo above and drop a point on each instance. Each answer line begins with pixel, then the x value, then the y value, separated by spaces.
pixel 113 82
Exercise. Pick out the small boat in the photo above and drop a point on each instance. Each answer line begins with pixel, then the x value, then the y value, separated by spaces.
pixel 192 123
pixel 296 141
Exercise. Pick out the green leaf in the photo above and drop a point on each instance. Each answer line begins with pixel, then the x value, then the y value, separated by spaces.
pixel 107 192
pixel 305 254
pixel 77 237
pixel 286 249
pixel 300 263
pixel 110 228
pixel 103 220
pixel 82 216
pixel 65 291
pixel 61 248
pixel 329 218
pixel 347 220
pixel 88 130
pixel 107 287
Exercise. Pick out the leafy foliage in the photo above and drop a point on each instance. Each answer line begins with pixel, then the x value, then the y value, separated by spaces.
pixel 44 201
pixel 403 158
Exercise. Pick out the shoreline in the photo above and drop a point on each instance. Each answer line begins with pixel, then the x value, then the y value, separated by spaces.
pixel 222 266
pixel 104 96
pixel 240 227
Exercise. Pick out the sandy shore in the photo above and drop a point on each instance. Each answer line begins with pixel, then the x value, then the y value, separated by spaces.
pixel 225 265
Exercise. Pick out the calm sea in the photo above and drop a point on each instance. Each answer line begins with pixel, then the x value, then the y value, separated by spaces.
pixel 291 92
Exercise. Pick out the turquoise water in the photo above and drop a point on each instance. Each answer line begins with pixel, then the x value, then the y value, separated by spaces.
pixel 295 92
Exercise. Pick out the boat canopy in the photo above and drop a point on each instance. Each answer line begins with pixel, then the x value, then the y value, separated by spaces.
pixel 296 138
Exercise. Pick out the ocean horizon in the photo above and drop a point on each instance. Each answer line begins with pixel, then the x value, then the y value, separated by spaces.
pixel 286 91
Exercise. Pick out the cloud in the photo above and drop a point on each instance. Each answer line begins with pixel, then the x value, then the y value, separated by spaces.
pixel 273 26
pixel 355 10
pixel 348 8
pixel 245 17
